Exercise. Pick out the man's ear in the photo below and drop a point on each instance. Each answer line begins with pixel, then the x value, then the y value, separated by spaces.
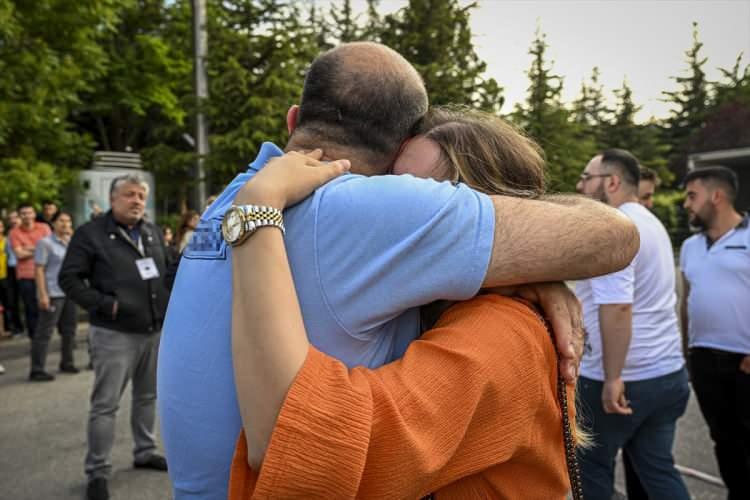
pixel 716 196
pixel 292 116
pixel 614 183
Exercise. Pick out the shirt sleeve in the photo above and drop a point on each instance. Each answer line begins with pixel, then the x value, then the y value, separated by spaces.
pixel 41 253
pixel 683 256
pixel 615 288
pixel 409 426
pixel 385 244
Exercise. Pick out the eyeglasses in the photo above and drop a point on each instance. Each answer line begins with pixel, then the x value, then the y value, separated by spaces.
pixel 585 176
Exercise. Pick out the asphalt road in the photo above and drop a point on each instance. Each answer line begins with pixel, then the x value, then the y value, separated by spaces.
pixel 43 440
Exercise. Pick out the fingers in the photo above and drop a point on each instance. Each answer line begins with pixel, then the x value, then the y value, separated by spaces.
pixel 315 154
pixel 329 171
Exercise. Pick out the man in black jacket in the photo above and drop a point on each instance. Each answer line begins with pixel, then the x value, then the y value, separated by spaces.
pixel 116 269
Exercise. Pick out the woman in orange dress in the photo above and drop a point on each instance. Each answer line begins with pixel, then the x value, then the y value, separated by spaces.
pixel 474 409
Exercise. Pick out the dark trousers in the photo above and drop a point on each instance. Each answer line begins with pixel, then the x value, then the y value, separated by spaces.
pixel 61 313
pixel 27 290
pixel 633 488
pixel 723 393
pixel 647 436
pixel 13 309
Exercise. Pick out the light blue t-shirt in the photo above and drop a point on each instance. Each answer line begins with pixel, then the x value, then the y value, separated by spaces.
pixel 719 279
pixel 50 253
pixel 365 252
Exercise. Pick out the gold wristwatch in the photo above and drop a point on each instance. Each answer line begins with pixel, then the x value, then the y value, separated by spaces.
pixel 240 222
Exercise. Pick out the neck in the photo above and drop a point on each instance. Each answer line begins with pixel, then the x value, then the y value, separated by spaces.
pixel 619 198
pixel 28 226
pixel 331 152
pixel 725 221
pixel 129 222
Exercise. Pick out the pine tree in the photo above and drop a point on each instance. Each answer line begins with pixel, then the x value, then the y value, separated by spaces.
pixel 590 110
pixel 544 117
pixel 344 23
pixel 258 53
pixel 435 36
pixel 690 105
pixel 643 140
pixel 727 122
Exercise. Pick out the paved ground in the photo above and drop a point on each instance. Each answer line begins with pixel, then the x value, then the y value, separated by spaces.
pixel 42 438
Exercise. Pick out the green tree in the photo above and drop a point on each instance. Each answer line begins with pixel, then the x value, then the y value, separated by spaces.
pixel 258 52
pixel 141 75
pixel 49 54
pixel 344 23
pixel 643 140
pixel 727 122
pixel 435 36
pixel 690 105
pixel 590 109
pixel 544 117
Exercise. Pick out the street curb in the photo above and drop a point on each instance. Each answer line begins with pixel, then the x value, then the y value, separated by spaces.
pixel 20 346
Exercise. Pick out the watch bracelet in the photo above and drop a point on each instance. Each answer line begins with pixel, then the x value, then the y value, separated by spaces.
pixel 262 216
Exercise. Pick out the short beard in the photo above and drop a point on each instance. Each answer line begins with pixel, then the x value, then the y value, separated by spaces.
pixel 702 222
pixel 600 194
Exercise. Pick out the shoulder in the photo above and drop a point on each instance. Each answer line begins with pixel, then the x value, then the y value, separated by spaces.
pixel 511 323
pixel 689 244
pixel 355 189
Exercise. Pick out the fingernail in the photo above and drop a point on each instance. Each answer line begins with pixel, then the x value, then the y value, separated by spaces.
pixel 345 163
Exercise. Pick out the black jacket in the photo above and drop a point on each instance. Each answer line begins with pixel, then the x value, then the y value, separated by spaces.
pixel 100 268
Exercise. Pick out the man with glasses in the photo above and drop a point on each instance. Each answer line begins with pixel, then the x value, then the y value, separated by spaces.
pixel 633 382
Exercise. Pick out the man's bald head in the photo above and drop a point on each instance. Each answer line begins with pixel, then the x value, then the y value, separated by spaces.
pixel 363 99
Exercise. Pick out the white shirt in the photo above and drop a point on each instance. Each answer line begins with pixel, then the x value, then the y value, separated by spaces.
pixel 648 283
pixel 719 299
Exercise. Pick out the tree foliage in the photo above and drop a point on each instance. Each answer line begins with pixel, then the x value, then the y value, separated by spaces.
pixel 49 55
pixel 435 36
pixel 546 119
pixel 117 74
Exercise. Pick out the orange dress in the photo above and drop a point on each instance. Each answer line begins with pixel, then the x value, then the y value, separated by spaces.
pixel 470 411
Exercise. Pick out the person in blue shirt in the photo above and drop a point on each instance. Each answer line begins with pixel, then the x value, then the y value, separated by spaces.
pixel 366 251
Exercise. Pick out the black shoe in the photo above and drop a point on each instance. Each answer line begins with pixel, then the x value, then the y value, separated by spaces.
pixel 41 377
pixel 97 489
pixel 155 461
pixel 69 369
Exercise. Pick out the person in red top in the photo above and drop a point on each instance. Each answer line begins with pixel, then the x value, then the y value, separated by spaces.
pixel 23 239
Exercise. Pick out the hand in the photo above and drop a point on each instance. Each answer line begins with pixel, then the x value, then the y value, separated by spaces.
pixel 563 310
pixel 745 365
pixel 289 179
pixel 613 397
pixel 44 303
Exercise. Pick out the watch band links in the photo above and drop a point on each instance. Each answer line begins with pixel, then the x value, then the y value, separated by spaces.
pixel 257 216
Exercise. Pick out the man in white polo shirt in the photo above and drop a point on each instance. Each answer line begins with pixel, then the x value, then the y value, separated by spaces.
pixel 633 382
pixel 715 310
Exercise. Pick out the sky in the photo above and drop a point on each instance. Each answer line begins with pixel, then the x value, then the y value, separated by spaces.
pixel 643 41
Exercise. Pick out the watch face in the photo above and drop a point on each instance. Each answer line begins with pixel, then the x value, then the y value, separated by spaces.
pixel 231 226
